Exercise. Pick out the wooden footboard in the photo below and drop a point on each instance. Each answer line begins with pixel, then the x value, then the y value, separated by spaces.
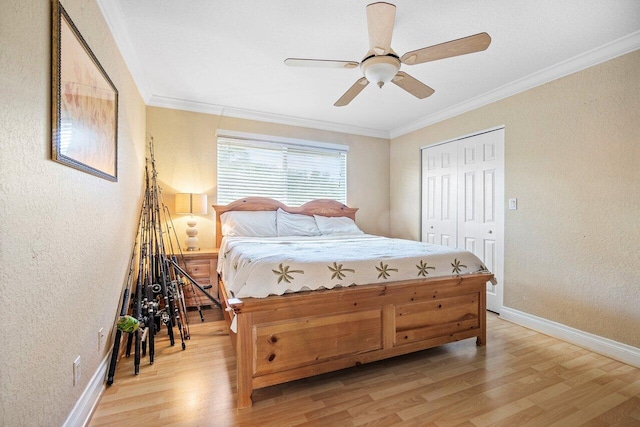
pixel 284 338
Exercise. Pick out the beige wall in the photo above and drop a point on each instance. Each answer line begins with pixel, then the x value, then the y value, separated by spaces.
pixel 65 236
pixel 186 162
pixel 572 158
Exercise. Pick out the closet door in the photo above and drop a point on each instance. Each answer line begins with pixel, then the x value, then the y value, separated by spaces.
pixel 463 201
pixel 439 202
pixel 480 202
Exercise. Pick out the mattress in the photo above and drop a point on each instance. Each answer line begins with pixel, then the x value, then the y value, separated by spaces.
pixel 259 267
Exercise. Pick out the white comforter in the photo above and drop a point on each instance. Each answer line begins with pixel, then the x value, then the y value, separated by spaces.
pixel 259 267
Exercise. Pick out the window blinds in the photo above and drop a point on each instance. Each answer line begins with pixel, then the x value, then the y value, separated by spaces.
pixel 292 174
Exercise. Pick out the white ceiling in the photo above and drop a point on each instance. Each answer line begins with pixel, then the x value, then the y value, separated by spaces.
pixel 226 57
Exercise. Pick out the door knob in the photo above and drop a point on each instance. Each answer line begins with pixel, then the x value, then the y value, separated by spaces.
pixel 490 231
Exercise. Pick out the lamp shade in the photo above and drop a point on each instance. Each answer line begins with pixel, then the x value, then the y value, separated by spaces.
pixel 189 203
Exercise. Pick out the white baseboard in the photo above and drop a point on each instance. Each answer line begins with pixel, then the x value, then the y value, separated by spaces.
pixel 84 407
pixel 616 350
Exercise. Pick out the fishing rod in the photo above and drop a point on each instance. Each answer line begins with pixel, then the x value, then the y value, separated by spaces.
pixel 139 288
pixel 151 305
pixel 181 283
pixel 193 281
pixel 172 313
pixel 125 304
pixel 177 283
pixel 149 302
pixel 158 297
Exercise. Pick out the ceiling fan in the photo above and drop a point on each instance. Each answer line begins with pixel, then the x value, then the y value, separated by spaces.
pixel 382 65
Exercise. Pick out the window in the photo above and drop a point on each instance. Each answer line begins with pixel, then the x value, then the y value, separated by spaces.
pixel 293 172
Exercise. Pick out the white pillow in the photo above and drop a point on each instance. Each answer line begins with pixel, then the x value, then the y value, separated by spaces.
pixel 337 225
pixel 249 223
pixel 289 224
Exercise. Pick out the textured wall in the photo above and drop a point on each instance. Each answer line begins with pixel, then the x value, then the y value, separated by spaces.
pixel 186 161
pixel 572 158
pixel 65 236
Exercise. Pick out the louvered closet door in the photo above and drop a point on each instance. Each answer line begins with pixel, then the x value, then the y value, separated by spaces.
pixel 463 200
pixel 439 187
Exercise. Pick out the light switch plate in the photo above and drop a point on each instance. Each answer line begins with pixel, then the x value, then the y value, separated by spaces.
pixel 513 204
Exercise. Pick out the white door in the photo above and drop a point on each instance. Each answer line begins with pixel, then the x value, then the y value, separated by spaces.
pixel 481 204
pixel 477 200
pixel 439 202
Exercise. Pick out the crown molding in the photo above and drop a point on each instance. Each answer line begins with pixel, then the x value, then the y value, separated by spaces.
pixel 572 65
pixel 115 21
pixel 203 107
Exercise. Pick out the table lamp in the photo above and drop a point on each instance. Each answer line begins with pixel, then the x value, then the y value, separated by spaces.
pixel 189 203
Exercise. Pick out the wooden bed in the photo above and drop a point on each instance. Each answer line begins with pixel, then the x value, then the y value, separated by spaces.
pixel 293 336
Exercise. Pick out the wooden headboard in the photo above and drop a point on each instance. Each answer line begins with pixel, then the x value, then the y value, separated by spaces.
pixel 324 207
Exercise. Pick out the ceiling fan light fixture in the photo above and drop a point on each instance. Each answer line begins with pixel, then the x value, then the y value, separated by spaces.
pixel 380 69
pixel 381 64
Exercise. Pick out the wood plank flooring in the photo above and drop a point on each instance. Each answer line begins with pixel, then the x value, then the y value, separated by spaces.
pixel 521 378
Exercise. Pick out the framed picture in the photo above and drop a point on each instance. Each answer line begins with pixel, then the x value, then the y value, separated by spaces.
pixel 84 103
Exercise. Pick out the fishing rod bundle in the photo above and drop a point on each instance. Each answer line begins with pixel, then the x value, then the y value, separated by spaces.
pixel 160 281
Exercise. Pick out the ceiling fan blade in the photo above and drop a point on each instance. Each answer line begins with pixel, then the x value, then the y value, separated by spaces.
pixel 475 43
pixel 413 86
pixel 380 19
pixel 323 63
pixel 352 92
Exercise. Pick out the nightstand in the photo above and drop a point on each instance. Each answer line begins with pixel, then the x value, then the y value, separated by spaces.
pixel 201 266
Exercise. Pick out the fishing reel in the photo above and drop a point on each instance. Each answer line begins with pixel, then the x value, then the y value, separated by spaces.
pixel 164 317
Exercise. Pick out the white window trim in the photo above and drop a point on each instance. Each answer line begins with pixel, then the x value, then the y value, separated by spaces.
pixel 279 139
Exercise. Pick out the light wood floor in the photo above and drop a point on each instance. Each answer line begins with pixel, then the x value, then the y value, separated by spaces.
pixel 520 378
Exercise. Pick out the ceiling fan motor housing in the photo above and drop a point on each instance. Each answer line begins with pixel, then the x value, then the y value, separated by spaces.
pixel 380 69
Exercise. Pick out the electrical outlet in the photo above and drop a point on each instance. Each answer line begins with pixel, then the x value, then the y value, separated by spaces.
pixel 76 371
pixel 101 337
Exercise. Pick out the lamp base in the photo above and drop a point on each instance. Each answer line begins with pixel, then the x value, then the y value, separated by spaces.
pixel 192 235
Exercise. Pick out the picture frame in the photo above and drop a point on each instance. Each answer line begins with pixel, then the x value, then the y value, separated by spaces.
pixel 84 103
